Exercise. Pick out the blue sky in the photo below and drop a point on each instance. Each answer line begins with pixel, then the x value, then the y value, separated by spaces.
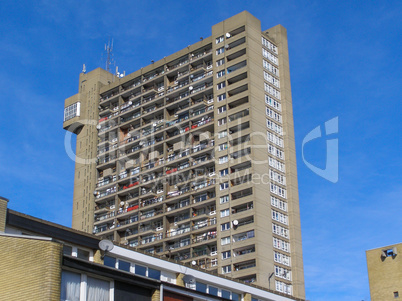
pixel 345 62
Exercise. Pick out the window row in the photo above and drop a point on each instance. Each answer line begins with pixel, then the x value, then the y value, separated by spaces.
pixel 274 139
pixel 272 80
pixel 278 190
pixel 281 258
pixel 269 45
pixel 215 291
pixel 283 287
pixel 283 273
pixel 277 177
pixel 267 55
pixel 271 68
pixel 279 230
pixel 276 152
pixel 279 203
pixel 273 103
pixel 131 267
pixel 274 127
pixel 274 115
pixel 271 90
pixel 279 217
pixel 276 164
pixel 281 244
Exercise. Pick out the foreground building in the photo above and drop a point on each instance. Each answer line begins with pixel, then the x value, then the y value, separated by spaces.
pixel 193 156
pixel 45 261
pixel 384 266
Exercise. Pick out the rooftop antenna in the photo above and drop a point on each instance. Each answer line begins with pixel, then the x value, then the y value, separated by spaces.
pixel 84 68
pixel 109 55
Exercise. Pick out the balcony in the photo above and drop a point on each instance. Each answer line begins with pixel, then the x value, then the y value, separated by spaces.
pixel 204 237
pixel 179 244
pixel 243 236
pixel 180 231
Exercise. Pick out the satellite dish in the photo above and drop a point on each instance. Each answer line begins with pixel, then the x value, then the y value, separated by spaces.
pixel 227 46
pixel 141 143
pixel 228 35
pixel 194 262
pixel 192 75
pixel 95 192
pixel 235 222
pixel 122 203
pixel 189 279
pixel 105 245
pixel 130 102
pixel 190 88
pixel 98 127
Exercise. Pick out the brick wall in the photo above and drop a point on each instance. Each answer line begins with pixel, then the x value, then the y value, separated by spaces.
pixel 30 269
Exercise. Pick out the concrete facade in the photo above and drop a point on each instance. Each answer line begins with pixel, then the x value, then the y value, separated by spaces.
pixel 193 157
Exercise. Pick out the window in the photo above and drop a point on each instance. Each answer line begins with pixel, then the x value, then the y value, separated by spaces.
pixel 396 294
pixel 220 62
pixel 223 159
pixel 283 273
pixel 274 115
pixel 275 139
pixel 219 40
pixel 277 177
pixel 223 146
pixel 268 55
pixel 275 127
pixel 109 261
pixel 221 97
pixel 201 287
pixel 225 240
pixel 220 50
pixel 278 190
pixel 222 121
pixel 283 287
pixel 220 85
pixel 273 103
pixel 124 266
pixel 140 270
pixel 279 203
pixel 226 255
pixel 213 290
pixel 224 212
pixel 221 109
pixel 272 80
pixel 224 199
pixel 271 90
pixel 279 230
pixel 226 269
pixel 82 287
pixel 268 66
pixel 224 172
pixel 72 111
pixel 276 164
pixel 222 134
pixel 269 45
pixel 225 226
pixel 276 152
pixel 281 244
pixel 279 217
pixel 220 73
pixel 281 258
pixel 154 274
pixel 224 186
pixel 225 294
